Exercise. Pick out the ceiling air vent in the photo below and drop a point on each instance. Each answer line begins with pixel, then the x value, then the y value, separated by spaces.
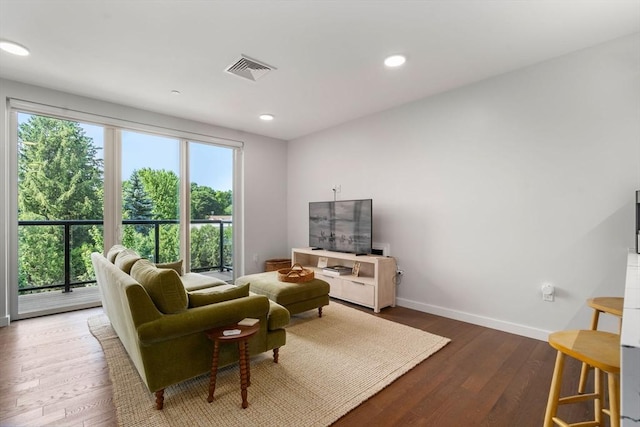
pixel 248 68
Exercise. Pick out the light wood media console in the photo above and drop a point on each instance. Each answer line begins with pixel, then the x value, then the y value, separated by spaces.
pixel 374 287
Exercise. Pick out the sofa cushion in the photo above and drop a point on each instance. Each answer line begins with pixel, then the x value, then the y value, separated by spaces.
pixel 197 281
pixel 163 286
pixel 217 294
pixel 125 260
pixel 177 266
pixel 113 252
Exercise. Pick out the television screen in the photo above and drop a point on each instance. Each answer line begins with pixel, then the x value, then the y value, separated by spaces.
pixel 341 226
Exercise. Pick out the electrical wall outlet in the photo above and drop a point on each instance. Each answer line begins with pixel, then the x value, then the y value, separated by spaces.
pixel 548 292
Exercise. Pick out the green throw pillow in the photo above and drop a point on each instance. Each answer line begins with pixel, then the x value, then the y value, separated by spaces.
pixel 176 266
pixel 163 286
pixel 125 260
pixel 217 294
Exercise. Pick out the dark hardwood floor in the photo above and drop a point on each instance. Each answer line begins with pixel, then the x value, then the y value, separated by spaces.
pixel 53 372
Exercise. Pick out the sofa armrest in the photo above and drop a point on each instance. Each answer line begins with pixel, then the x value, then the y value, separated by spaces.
pixel 142 309
pixel 279 316
pixel 200 319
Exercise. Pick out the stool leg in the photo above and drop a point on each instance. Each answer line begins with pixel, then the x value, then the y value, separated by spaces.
pixel 599 390
pixel 554 391
pixel 594 320
pixel 614 399
pixel 584 372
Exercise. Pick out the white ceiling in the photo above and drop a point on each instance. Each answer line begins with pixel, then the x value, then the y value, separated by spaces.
pixel 328 54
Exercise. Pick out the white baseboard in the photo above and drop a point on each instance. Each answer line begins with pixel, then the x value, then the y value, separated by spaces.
pixel 488 322
pixel 4 321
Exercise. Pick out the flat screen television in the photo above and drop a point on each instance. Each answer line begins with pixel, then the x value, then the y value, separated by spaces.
pixel 341 226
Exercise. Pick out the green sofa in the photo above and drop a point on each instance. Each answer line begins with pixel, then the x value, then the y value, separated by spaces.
pixel 161 321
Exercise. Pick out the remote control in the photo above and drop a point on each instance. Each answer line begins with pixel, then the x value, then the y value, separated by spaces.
pixel 231 332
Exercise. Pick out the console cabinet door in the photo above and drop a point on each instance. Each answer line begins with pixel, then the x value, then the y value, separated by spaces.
pixel 335 285
pixel 358 292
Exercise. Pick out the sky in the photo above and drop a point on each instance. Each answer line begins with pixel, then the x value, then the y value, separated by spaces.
pixel 210 165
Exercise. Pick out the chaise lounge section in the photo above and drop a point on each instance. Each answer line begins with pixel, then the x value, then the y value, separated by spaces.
pixel 295 297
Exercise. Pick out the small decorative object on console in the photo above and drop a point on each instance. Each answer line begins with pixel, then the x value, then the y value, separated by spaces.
pixel 356 269
pixel 337 270
pixel 295 274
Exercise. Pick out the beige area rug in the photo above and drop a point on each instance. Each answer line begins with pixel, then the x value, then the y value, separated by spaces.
pixel 328 367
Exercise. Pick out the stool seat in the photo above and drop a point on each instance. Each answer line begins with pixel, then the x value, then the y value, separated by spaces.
pixel 598 349
pixel 611 305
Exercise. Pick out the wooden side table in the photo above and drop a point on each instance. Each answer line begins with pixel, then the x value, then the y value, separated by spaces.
pixel 217 336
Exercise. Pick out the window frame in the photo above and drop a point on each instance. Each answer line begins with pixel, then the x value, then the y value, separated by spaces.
pixel 112 215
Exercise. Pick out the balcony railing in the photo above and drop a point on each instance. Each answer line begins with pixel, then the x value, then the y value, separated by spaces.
pixel 223 259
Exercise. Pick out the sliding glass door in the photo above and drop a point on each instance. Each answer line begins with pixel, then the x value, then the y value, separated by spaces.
pixel 151 196
pixel 211 208
pixel 79 185
pixel 60 210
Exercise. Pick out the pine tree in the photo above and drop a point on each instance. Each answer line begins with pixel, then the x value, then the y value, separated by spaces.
pixel 136 202
pixel 59 174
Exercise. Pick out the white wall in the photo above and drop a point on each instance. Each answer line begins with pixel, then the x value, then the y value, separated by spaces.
pixel 264 176
pixel 488 191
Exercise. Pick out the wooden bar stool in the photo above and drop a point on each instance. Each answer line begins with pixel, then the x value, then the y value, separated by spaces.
pixel 598 349
pixel 610 305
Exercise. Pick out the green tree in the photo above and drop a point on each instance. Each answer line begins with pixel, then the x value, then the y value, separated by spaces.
pixel 204 202
pixel 40 255
pixel 59 177
pixel 225 199
pixel 205 251
pixel 205 247
pixel 136 202
pixel 59 173
pixel 162 187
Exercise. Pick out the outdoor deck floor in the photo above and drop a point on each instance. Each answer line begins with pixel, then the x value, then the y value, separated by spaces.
pixel 56 301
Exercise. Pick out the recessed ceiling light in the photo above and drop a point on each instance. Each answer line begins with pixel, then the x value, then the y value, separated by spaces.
pixel 395 60
pixel 267 117
pixel 13 48
pixel 175 92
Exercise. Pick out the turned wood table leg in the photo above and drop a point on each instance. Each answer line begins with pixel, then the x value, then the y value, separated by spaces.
pixel 276 352
pixel 246 351
pixel 244 373
pixel 159 399
pixel 319 311
pixel 214 371
pixel 224 335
